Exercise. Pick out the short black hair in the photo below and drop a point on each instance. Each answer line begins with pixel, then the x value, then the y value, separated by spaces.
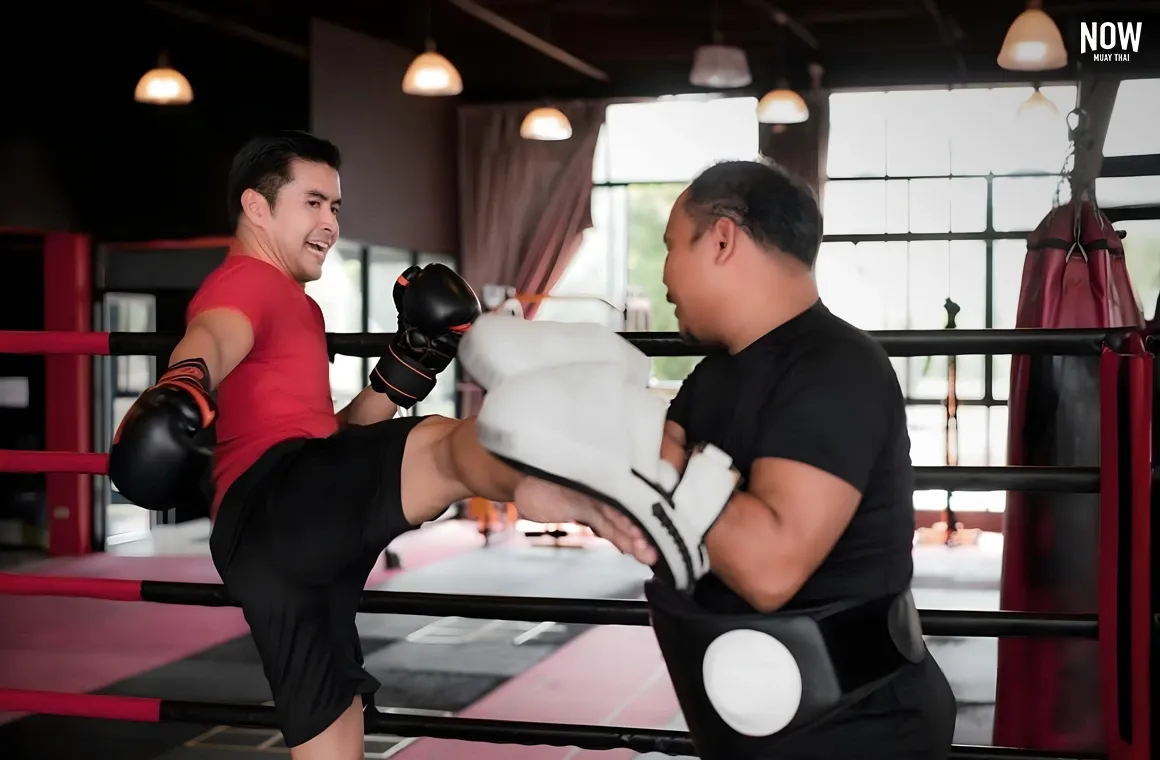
pixel 774 207
pixel 263 164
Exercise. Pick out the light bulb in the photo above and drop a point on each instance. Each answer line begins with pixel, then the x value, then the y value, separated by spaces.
pixel 1033 43
pixel 545 123
pixel 431 74
pixel 163 86
pixel 720 67
pixel 1037 108
pixel 782 106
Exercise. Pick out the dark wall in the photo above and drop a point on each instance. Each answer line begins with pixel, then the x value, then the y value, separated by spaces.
pixel 77 153
pixel 399 180
pixel 22 393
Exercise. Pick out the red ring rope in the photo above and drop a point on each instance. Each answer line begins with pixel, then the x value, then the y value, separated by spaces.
pixel 114 589
pixel 53 461
pixel 46 343
pixel 140 709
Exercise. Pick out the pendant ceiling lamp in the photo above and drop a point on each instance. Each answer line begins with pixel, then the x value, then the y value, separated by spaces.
pixel 163 86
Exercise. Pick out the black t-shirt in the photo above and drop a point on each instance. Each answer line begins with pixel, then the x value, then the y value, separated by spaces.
pixel 819 391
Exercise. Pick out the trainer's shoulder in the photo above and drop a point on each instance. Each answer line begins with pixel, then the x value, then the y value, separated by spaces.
pixel 835 346
pixel 711 372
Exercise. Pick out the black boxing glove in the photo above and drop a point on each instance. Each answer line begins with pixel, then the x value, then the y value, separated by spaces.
pixel 436 307
pixel 160 449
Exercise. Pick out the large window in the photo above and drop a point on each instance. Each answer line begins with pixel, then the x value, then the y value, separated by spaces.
pixel 646 155
pixel 1134 201
pixel 1142 251
pixel 930 196
pixel 1132 130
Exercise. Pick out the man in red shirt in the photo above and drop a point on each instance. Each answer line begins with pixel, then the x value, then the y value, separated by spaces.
pixel 305 500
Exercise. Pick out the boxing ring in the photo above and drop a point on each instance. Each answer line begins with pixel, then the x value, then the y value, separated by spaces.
pixel 1124 626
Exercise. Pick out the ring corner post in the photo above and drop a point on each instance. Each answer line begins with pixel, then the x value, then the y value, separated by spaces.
pixel 68 388
pixel 1138 600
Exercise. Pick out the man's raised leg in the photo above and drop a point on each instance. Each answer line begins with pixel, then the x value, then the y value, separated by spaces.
pixel 444 462
pixel 342 740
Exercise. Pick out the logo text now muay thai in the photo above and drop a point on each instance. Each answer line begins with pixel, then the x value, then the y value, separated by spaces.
pixel 1110 41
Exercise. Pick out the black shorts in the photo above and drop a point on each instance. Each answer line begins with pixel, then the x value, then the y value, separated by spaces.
pixel 294 540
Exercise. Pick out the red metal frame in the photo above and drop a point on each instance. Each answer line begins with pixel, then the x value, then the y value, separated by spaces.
pixel 1140 401
pixel 68 304
pixel 181 244
pixel 1111 367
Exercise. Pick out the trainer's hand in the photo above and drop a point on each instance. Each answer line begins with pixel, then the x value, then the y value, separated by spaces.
pixel 158 451
pixel 436 307
pixel 545 502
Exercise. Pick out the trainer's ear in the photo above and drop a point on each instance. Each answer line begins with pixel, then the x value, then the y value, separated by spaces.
pixel 725 234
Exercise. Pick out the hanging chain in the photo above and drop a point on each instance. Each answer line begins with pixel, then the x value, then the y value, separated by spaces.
pixel 1077 130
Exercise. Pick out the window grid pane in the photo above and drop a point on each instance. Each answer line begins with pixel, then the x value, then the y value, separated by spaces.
pixel 880 138
pixel 1132 128
pixel 673 139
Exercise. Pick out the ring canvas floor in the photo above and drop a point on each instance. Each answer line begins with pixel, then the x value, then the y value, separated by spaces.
pixel 610 675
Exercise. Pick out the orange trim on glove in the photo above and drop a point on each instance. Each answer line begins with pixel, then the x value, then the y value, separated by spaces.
pixel 191 376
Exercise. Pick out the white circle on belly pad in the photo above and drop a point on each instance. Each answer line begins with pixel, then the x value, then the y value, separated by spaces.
pixel 753 682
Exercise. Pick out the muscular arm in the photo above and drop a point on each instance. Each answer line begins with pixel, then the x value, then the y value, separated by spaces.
pixel 770 539
pixel 818 442
pixel 761 547
pixel 221 337
pixel 367 408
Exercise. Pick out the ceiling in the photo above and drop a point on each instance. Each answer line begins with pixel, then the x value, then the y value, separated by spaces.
pixel 525 49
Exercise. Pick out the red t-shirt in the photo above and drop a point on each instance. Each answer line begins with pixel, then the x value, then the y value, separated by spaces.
pixel 281 390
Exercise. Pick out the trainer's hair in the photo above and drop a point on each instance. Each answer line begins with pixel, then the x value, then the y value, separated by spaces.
pixel 775 208
pixel 263 164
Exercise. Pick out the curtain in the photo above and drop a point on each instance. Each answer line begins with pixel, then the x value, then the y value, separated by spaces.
pixel 524 204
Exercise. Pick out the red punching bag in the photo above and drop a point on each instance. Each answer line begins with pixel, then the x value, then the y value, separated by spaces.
pixel 1074 276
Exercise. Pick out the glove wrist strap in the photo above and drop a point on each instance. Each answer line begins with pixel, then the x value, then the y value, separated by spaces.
pixel 192 376
pixel 705 488
pixel 188 372
pixel 402 379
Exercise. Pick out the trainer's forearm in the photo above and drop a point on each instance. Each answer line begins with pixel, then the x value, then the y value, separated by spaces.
pixel 367 408
pixel 477 469
pixel 200 343
pixel 745 546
